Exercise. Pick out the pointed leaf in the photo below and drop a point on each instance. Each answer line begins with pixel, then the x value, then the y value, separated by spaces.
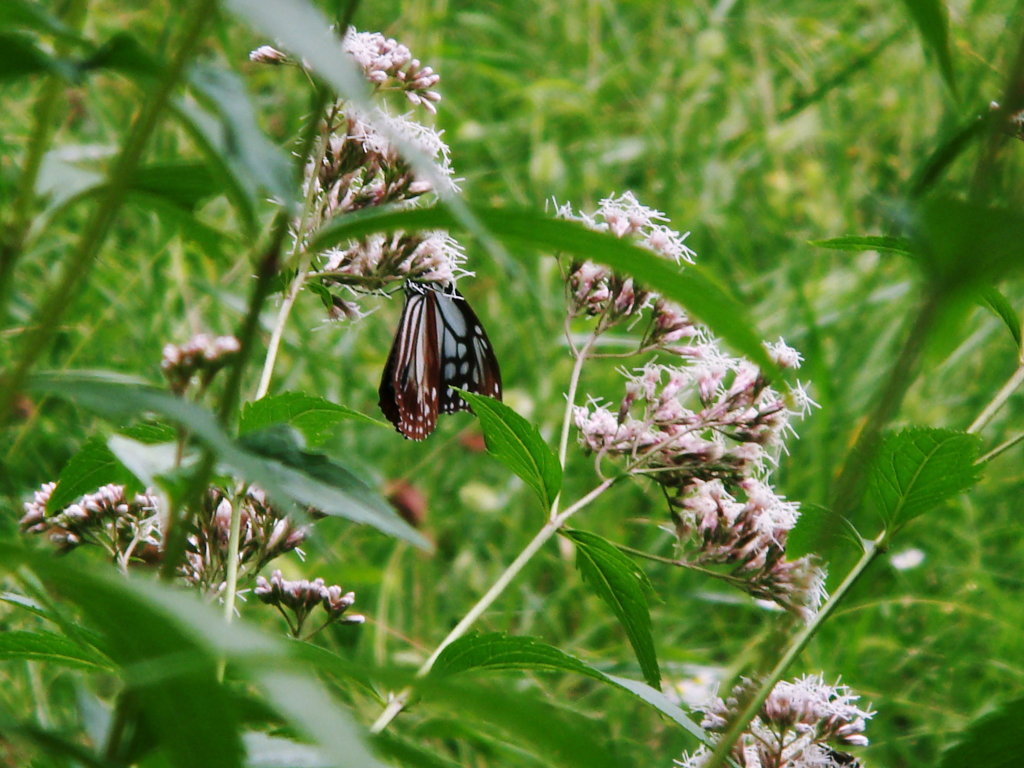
pixel 879 243
pixel 995 740
pixel 50 648
pixel 317 481
pixel 245 148
pixel 692 287
pixel 1001 307
pixel 917 470
pixel 931 21
pixel 315 417
pixel 624 588
pixel 94 465
pixel 499 651
pixel 516 443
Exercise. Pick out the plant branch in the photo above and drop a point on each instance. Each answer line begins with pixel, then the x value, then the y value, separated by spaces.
pixel 998 401
pixel 796 646
pixel 546 532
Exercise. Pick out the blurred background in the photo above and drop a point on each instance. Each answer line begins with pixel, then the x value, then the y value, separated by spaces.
pixel 757 127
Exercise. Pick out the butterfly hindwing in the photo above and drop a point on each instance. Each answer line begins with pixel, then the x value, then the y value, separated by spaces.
pixel 467 358
pixel 439 344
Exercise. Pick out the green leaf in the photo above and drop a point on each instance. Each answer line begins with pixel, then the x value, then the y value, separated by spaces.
pixel 498 651
pixel 159 658
pixel 931 21
pixel 244 161
pixel 170 645
pixel 184 184
pixel 32 15
pixel 146 461
pixel 692 287
pixel 995 740
pixel 303 479
pixel 815 527
pixel 315 417
pixel 20 56
pixel 1001 307
pixel 624 588
pixel 50 648
pixel 919 469
pixel 316 481
pixel 123 53
pixel 94 465
pixel 881 243
pixel 516 443
pixel 150 433
pixel 969 246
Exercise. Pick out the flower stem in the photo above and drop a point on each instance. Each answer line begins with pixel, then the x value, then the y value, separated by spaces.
pixel 796 646
pixel 549 529
pixel 998 401
pixel 275 336
pixel 80 261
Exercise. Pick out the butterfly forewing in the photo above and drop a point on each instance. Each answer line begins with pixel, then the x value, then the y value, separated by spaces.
pixel 408 388
pixel 439 344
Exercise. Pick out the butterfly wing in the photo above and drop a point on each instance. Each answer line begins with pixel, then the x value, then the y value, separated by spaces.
pixel 409 386
pixel 466 357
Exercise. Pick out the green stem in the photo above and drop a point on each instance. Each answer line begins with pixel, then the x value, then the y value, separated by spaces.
pixel 570 401
pixel 998 401
pixel 80 261
pixel 275 337
pixel 43 127
pixel 1002 447
pixel 267 268
pixel 796 646
pixel 543 535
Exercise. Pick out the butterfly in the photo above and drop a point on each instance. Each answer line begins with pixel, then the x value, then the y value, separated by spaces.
pixel 439 344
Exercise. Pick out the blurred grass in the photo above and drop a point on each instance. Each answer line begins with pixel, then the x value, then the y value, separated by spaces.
pixel 714 113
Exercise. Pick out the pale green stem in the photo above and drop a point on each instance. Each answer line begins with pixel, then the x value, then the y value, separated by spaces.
pixel 546 532
pixel 570 401
pixel 796 646
pixel 1001 448
pixel 300 277
pixel 231 581
pixel 275 336
pixel 998 401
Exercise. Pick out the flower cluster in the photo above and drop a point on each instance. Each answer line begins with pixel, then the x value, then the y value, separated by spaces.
pixel 297 599
pixel 748 537
pixel 707 430
pixel 126 525
pixel 598 291
pixel 370 158
pixel 203 355
pixel 385 62
pixel 264 534
pixel 800 725
pixel 390 66
pixel 130 527
pixel 430 256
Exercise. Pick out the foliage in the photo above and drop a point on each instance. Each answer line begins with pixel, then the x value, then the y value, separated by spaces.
pixel 852 182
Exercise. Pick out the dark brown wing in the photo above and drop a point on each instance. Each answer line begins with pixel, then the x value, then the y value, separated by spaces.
pixel 409 386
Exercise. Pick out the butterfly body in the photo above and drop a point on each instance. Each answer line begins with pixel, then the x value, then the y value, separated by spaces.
pixel 440 344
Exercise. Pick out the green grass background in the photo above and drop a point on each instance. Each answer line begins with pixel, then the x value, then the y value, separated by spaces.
pixel 753 127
